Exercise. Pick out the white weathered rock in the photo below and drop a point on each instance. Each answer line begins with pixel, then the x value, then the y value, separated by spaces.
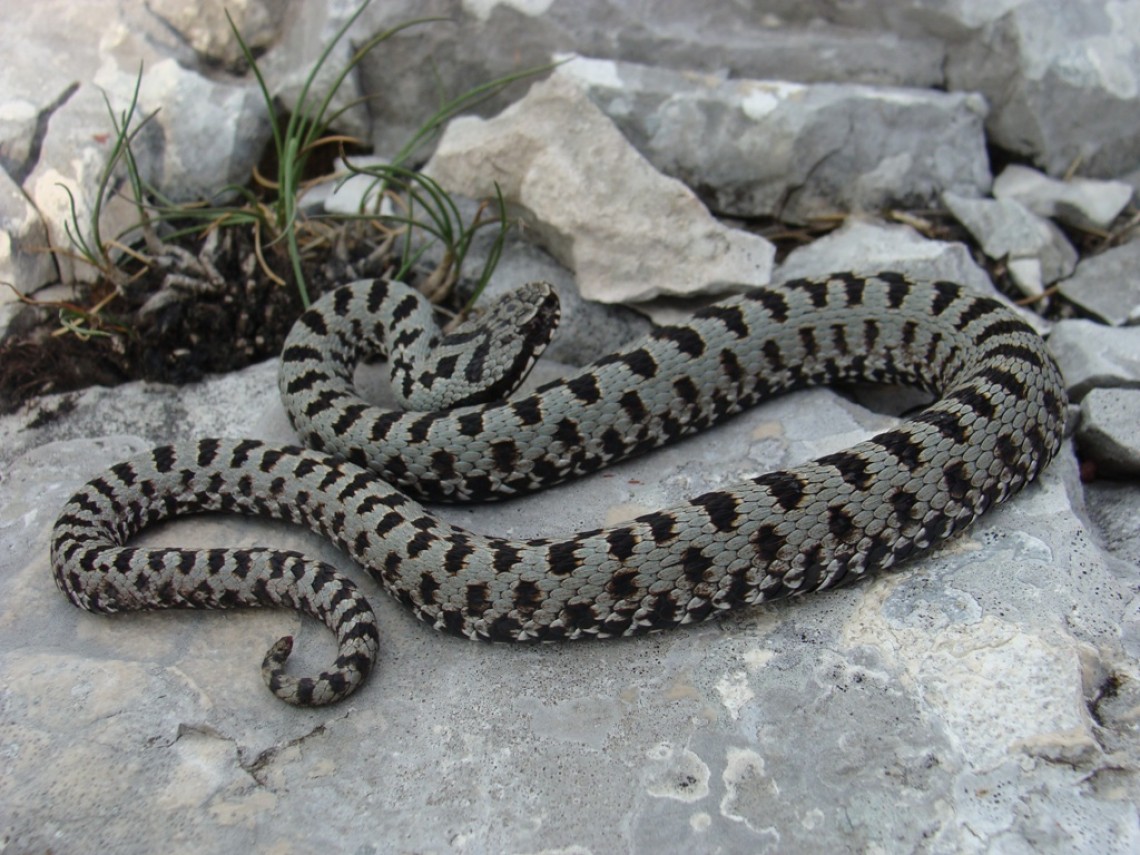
pixel 1063 81
pixel 1108 431
pixel 345 192
pixel 1092 355
pixel 205 29
pixel 1107 286
pixel 796 152
pixel 1086 203
pixel 25 263
pixel 1037 252
pixel 628 232
pixel 206 135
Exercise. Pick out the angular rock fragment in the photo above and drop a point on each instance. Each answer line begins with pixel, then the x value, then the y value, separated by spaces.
pixel 628 232
pixel 1036 251
pixel 1108 434
pixel 1107 286
pixel 1086 203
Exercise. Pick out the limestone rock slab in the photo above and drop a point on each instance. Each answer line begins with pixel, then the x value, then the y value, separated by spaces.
pixel 1063 80
pixel 1107 286
pixel 950 680
pixel 560 161
pixel 796 152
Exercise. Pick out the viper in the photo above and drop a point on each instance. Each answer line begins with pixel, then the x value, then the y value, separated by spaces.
pixel 998 419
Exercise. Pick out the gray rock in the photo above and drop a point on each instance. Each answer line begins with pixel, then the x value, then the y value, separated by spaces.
pixel 1063 81
pixel 290 67
pixel 204 27
pixel 343 192
pixel 1092 355
pixel 214 131
pixel 64 183
pixel 1107 286
pixel 483 41
pixel 24 265
pixel 53 61
pixel 1111 506
pixel 1061 77
pixel 1109 432
pixel 558 159
pixel 19 122
pixel 1036 251
pixel 152 412
pixel 867 247
pixel 196 147
pixel 792 151
pixel 206 135
pixel 1085 203
pixel 952 678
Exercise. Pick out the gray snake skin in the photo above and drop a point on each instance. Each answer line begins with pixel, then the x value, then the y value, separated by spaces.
pixel 997 422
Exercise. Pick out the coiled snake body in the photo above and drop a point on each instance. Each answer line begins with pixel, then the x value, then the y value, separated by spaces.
pixel 999 419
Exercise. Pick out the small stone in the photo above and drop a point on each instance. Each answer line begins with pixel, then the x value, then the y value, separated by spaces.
pixel 1008 230
pixel 23 263
pixel 1092 355
pixel 1108 431
pixel 1106 286
pixel 347 192
pixel 628 232
pixel 1086 203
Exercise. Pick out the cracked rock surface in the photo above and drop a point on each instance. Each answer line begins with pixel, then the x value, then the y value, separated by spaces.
pixel 969 686
pixel 987 687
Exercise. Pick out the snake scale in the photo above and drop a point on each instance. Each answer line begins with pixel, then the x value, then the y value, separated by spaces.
pixel 997 421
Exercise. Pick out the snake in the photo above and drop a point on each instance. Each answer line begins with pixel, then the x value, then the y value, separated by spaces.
pixel 997 418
